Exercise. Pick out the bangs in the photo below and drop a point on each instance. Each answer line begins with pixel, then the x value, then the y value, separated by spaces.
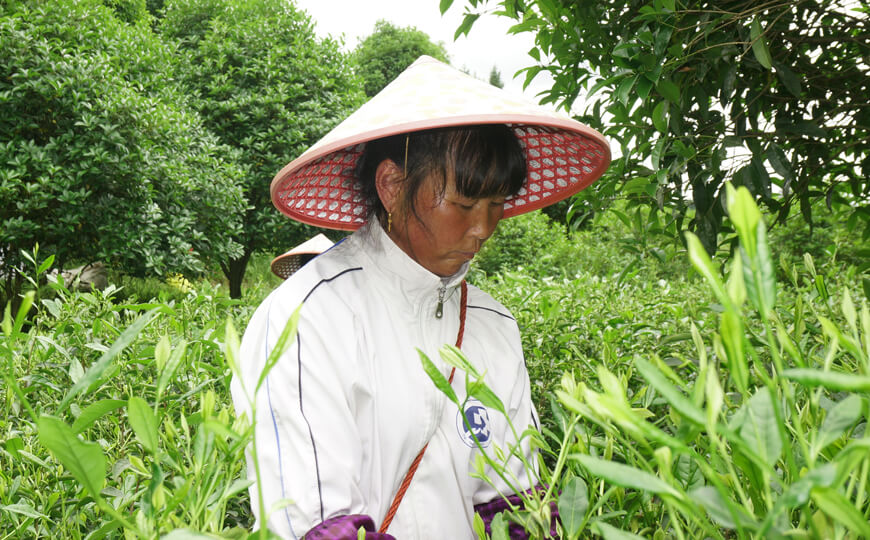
pixel 486 160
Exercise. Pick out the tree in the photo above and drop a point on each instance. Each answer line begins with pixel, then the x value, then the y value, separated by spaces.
pixel 101 158
pixel 389 50
pixel 266 86
pixel 768 95
pixel 495 78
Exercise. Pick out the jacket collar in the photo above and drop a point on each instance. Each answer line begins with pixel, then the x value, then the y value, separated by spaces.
pixel 397 266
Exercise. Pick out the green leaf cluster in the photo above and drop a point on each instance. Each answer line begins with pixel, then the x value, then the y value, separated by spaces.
pixel 388 50
pixel 696 94
pixel 268 88
pixel 102 157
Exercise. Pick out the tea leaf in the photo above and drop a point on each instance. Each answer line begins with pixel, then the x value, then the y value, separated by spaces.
pixel 486 396
pixel 674 397
pixel 572 505
pixel 624 475
pixel 25 510
pixel 841 510
pixel 838 420
pixel 96 371
pixel 239 485
pixel 188 534
pixel 759 429
pixel 437 377
pixel 799 492
pixel 231 350
pixel 94 411
pixel 849 309
pixel 609 532
pixel 499 527
pixel 171 366
pixel 144 423
pixel 736 284
pixel 281 346
pixel 161 351
pixel 702 263
pixel 218 428
pixel 759 275
pixel 715 399
pixel 477 526
pixel 101 533
pixel 7 320
pixel 23 310
pixel 83 459
pixel 731 330
pixel 832 380
pixel 744 214
pixel 456 358
pixel 722 510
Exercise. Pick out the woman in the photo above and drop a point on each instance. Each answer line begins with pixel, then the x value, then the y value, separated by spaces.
pixel 423 177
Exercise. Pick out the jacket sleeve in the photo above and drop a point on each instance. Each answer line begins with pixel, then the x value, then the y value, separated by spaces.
pixel 308 446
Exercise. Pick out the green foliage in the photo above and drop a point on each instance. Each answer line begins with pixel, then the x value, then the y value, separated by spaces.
pixel 129 11
pixel 752 424
pixel 529 241
pixel 116 417
pixel 388 51
pixel 266 86
pixel 495 78
pixel 102 159
pixel 655 424
pixel 770 97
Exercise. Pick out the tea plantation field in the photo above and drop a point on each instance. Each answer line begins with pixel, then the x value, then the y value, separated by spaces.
pixel 681 397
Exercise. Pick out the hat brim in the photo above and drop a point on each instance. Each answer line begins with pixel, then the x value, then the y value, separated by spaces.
pixel 289 263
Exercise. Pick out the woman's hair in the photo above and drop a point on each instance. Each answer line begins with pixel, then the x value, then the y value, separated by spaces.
pixel 486 161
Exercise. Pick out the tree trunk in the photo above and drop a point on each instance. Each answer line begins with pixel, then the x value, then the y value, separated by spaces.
pixel 234 270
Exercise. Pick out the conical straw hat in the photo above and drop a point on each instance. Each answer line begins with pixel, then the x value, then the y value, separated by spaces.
pixel 287 264
pixel 563 156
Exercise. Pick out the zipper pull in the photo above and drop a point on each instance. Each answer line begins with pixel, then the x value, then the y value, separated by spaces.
pixel 439 310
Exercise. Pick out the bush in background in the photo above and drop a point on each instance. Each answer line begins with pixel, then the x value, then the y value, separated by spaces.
pixel 102 159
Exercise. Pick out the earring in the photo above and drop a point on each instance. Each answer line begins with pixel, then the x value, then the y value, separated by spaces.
pixel 389 221
pixel 407 138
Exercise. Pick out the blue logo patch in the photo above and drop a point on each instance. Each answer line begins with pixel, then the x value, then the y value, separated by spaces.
pixel 475 419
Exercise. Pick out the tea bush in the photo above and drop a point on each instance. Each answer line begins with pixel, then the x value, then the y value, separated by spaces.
pixel 672 405
pixel 131 399
pixel 758 432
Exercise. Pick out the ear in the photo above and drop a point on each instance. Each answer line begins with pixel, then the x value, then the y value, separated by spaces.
pixel 388 181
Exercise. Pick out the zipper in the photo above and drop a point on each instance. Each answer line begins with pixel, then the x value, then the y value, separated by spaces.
pixel 439 309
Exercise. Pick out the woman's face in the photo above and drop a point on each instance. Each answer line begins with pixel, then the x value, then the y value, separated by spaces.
pixel 451 228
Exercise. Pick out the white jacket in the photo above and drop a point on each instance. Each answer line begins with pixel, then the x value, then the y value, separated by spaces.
pixel 345 411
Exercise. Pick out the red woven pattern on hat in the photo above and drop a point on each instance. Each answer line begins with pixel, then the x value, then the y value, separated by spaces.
pixel 560 163
pixel 325 191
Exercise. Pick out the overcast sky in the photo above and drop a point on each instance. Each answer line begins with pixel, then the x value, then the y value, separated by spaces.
pixel 487 45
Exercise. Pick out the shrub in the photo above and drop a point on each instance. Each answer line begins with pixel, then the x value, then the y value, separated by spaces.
pixel 132 402
pixel 529 241
pixel 102 159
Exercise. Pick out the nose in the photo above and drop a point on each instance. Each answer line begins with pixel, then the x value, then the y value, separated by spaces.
pixel 485 220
